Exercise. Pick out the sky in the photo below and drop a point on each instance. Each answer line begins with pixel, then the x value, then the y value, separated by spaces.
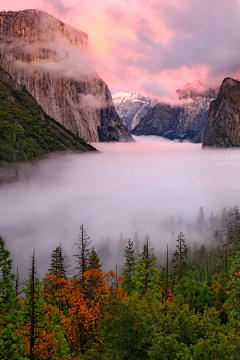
pixel 153 46
pixel 123 188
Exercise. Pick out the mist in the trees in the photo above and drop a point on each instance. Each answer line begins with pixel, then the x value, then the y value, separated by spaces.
pixel 153 186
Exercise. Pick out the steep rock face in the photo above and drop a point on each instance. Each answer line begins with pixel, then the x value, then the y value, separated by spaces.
pixel 223 126
pixel 26 130
pixel 114 133
pixel 51 59
pixel 187 121
pixel 158 121
pixel 131 107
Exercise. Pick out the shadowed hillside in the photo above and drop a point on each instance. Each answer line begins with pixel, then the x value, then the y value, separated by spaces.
pixel 26 131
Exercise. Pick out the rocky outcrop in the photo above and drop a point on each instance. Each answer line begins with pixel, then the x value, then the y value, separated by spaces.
pixel 132 107
pixel 186 121
pixel 223 126
pixel 158 121
pixel 51 59
pixel 114 133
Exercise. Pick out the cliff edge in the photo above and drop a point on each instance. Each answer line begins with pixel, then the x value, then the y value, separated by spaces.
pixel 223 126
pixel 51 59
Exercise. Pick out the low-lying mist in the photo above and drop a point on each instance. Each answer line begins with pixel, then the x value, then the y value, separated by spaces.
pixel 153 186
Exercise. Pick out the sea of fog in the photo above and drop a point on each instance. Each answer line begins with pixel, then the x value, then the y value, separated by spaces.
pixel 122 189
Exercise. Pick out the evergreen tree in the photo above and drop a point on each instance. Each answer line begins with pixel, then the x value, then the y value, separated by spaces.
pixel 10 342
pixel 224 217
pixel 105 250
pixel 201 220
pixel 129 266
pixel 144 269
pixel 136 244
pixel 234 282
pixel 41 327
pixel 230 238
pixel 94 262
pixel 83 257
pixel 31 310
pixel 236 228
pixel 60 262
pixel 166 281
pixel 180 256
pixel 95 268
pixel 60 267
pixel 205 298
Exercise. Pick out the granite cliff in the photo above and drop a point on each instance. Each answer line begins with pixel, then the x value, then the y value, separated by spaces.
pixel 132 107
pixel 26 131
pixel 51 59
pixel 223 126
pixel 186 121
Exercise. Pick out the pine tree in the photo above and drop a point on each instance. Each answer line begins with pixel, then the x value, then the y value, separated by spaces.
pixel 10 342
pixel 234 282
pixel 60 268
pixel 83 257
pixel 236 228
pixel 136 244
pixel 230 236
pixel 94 267
pixel 224 217
pixel 31 310
pixel 60 262
pixel 94 262
pixel 41 327
pixel 201 220
pixel 202 262
pixel 180 256
pixel 166 283
pixel 144 268
pixel 129 266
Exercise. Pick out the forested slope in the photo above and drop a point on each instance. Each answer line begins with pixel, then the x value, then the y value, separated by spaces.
pixel 26 131
pixel 187 309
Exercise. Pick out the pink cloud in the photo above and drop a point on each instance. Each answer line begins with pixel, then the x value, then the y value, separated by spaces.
pixel 153 47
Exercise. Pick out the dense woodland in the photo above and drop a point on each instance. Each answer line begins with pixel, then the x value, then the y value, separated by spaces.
pixel 186 309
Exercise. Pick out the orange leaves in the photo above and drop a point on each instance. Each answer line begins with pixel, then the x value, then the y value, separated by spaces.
pixel 216 286
pixel 45 342
pixel 169 296
pixel 84 303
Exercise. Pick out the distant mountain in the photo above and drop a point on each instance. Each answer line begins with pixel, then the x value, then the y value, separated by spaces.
pixel 223 126
pixel 131 107
pixel 51 59
pixel 26 131
pixel 186 121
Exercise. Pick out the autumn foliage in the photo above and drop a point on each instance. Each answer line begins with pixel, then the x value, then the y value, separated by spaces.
pixel 187 310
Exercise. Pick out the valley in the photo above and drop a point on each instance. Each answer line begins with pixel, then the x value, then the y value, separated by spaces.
pixel 123 188
pixel 119 180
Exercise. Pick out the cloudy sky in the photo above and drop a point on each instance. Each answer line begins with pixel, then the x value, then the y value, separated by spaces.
pixel 153 46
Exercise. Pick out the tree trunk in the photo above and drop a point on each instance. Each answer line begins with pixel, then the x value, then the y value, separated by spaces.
pixel 32 309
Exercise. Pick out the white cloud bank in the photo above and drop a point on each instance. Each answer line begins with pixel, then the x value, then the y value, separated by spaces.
pixel 126 187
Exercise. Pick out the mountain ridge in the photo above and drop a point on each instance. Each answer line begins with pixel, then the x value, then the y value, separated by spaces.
pixel 131 107
pixel 186 121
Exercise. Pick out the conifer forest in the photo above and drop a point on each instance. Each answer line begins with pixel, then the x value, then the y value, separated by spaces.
pixel 188 308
